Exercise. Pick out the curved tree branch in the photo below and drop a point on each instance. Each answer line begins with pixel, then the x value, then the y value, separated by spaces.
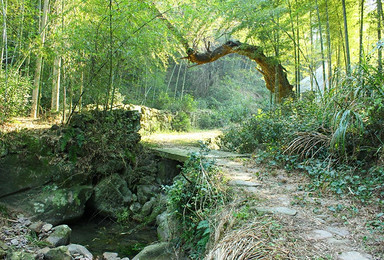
pixel 269 66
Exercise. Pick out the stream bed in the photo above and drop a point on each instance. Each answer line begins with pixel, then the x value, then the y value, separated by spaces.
pixel 104 235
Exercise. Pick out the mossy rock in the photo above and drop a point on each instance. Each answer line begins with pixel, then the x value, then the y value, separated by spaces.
pixel 51 204
pixel 21 172
pixel 58 253
pixel 60 236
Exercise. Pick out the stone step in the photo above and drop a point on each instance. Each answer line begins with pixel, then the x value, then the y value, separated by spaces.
pixel 353 255
pixel 276 210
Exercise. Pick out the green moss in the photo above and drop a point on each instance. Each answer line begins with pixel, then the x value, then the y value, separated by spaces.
pixel 20 256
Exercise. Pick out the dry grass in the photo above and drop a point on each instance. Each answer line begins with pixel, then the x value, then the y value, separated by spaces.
pixel 255 237
pixel 308 144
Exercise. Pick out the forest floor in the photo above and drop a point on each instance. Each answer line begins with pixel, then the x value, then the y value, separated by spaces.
pixel 314 226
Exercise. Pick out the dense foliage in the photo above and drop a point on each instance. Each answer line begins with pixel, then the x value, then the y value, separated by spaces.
pixel 338 138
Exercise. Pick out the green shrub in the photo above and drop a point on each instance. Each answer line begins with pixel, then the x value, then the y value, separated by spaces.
pixel 187 104
pixel 267 129
pixel 181 122
pixel 209 119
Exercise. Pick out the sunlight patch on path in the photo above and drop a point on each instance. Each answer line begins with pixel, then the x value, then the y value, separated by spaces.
pixel 18 123
pixel 183 138
pixel 182 154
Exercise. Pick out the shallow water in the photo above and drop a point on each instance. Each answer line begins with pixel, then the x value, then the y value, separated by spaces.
pixel 104 235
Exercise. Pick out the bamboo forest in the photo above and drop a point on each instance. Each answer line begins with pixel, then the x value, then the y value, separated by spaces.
pixel 185 129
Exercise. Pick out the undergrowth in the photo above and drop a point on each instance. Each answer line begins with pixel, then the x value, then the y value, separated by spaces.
pixel 192 198
pixel 215 223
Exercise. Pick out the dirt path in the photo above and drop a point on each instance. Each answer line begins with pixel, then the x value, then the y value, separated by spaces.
pixel 323 227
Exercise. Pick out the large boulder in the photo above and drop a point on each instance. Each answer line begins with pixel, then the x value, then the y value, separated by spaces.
pixel 167 226
pixel 51 204
pixel 111 196
pixel 159 251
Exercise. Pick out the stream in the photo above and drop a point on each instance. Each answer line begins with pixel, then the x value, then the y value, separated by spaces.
pixel 101 235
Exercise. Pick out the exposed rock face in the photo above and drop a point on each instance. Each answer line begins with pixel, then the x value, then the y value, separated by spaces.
pixel 111 195
pixel 167 226
pixel 121 176
pixel 117 178
pixel 152 119
pixel 23 172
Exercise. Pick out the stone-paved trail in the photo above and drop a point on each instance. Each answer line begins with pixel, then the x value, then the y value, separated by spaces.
pixel 319 233
pixel 323 227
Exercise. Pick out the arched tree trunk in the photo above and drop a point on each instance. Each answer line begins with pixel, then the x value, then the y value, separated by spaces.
pixel 270 66
pixel 267 65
